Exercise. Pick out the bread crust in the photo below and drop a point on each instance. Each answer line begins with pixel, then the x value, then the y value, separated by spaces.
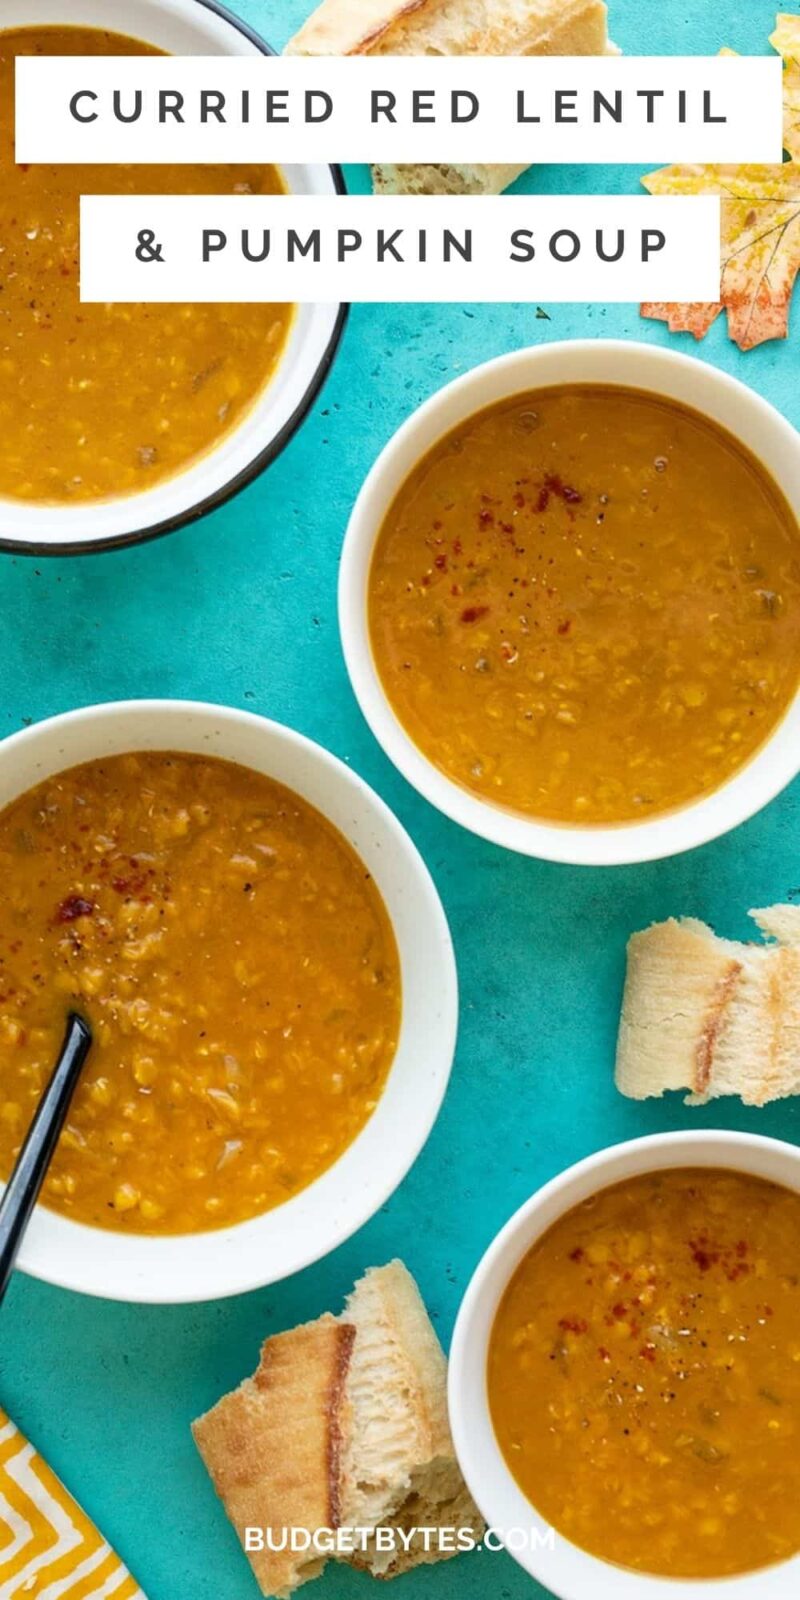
pixel 722 998
pixel 272 1447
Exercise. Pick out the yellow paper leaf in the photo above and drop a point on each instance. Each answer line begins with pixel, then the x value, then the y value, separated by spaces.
pixel 786 40
pixel 760 227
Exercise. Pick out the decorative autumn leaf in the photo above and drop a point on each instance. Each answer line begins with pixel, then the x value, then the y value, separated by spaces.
pixel 760 226
pixel 786 40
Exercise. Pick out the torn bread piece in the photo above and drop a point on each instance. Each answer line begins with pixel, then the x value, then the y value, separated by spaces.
pixel 710 1015
pixel 344 1425
pixel 453 28
pixel 272 1447
pixel 398 1464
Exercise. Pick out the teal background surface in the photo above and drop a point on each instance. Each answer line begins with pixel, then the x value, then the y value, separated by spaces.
pixel 241 609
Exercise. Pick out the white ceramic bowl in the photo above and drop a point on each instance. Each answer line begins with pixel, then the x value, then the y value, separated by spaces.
pixel 200 28
pixel 561 1566
pixel 664 372
pixel 206 1266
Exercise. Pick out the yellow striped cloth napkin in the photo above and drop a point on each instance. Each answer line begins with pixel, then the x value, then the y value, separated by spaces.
pixel 48 1549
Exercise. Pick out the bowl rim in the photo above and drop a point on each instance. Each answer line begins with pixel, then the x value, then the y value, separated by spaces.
pixel 670 833
pixel 43 1254
pixel 577 1574
pixel 213 501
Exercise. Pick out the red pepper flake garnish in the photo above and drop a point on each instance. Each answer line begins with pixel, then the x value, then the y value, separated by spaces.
pixel 553 484
pixel 564 490
pixel 564 627
pixel 619 1310
pixel 603 1353
pixel 132 886
pixel 573 1325
pixel 577 1254
pixel 486 518
pixel 73 907
pixel 437 525
pixel 648 1352
pixel 519 500
pixel 440 562
pixel 473 613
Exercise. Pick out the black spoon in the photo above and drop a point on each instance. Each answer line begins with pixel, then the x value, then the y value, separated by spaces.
pixel 26 1180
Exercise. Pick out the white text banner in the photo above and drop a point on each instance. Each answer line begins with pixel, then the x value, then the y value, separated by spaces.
pixel 302 248
pixel 518 110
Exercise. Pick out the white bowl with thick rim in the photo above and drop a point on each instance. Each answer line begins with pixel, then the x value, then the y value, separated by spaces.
pixel 199 28
pixel 665 373
pixel 207 1266
pixel 569 1572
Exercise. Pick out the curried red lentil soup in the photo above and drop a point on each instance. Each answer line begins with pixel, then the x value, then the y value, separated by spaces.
pixel 240 973
pixel 644 1374
pixel 101 400
pixel 584 605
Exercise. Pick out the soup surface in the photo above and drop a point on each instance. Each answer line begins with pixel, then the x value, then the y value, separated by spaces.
pixel 644 1374
pixel 584 605
pixel 100 400
pixel 239 971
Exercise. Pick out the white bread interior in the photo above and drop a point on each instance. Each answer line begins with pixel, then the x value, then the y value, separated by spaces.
pixel 453 28
pixel 398 1463
pixel 710 1015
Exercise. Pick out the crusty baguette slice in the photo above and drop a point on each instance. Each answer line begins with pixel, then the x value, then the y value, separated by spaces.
pixel 343 1426
pixel 452 28
pixel 710 1015
pixel 272 1446
pixel 398 1465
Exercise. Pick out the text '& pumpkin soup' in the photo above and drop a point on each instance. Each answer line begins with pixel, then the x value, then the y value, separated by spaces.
pixel 584 605
pixel 102 400
pixel 239 971
pixel 644 1374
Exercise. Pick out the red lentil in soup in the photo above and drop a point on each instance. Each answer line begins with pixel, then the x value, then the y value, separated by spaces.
pixel 584 605
pixel 102 400
pixel 644 1374
pixel 240 973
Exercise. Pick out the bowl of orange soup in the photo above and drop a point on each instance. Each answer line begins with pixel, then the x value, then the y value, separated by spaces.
pixel 269 978
pixel 122 422
pixel 570 601
pixel 625 1373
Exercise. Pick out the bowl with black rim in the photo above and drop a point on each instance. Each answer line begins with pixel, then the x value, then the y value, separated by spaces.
pixel 184 27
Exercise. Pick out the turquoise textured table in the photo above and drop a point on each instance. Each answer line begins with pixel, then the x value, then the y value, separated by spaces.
pixel 242 609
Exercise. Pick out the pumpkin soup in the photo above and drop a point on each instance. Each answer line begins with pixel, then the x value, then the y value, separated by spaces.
pixel 241 977
pixel 101 400
pixel 644 1374
pixel 584 605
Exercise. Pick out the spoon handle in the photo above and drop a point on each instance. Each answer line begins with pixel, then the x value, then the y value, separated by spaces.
pixel 26 1180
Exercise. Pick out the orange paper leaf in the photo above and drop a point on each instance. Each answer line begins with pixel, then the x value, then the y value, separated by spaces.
pixel 760 228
